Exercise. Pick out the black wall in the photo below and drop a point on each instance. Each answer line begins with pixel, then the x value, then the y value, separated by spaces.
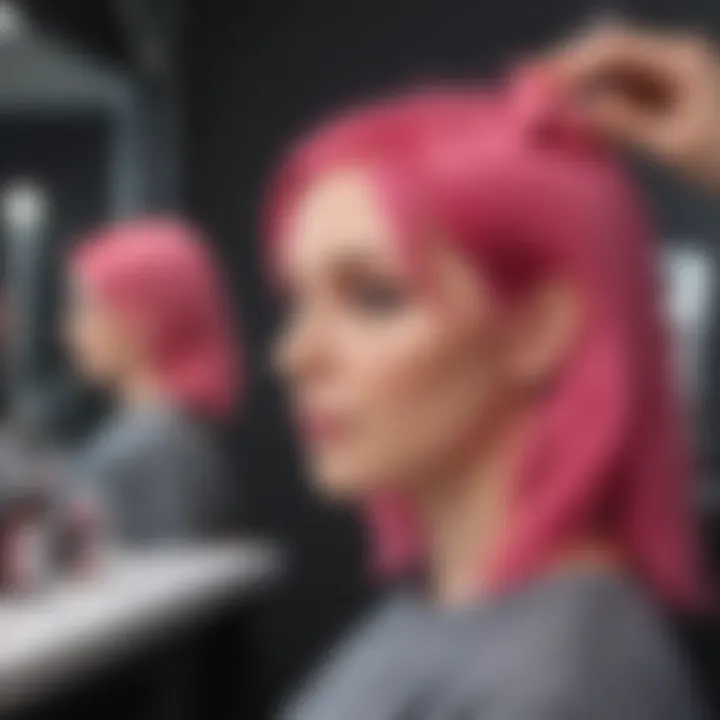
pixel 257 72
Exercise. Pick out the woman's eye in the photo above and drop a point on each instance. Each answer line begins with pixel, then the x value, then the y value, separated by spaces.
pixel 378 297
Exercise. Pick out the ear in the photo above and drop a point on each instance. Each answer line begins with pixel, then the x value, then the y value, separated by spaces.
pixel 541 332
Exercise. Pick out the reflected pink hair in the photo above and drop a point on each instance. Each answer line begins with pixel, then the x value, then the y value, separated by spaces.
pixel 524 191
pixel 159 275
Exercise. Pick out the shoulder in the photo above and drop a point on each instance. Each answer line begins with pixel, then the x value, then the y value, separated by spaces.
pixel 352 663
pixel 128 441
pixel 591 647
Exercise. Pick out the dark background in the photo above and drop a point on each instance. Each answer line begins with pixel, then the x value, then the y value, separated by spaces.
pixel 243 78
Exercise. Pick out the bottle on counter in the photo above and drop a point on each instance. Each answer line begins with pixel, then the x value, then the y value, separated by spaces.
pixel 25 541
pixel 84 538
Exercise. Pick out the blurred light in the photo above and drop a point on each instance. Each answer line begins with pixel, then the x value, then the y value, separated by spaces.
pixel 690 279
pixel 24 207
pixel 12 21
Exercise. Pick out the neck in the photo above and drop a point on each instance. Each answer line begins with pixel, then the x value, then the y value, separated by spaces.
pixel 465 513
pixel 138 390
pixel 464 510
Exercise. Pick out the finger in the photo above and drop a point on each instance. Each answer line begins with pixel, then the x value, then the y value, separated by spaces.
pixel 628 124
pixel 620 120
pixel 613 52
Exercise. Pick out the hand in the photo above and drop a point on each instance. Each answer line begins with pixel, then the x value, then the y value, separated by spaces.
pixel 657 92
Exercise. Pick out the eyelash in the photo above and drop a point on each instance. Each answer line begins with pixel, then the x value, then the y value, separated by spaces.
pixel 377 297
pixel 369 297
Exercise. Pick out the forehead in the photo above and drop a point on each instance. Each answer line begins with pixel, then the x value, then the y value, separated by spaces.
pixel 342 220
pixel 339 213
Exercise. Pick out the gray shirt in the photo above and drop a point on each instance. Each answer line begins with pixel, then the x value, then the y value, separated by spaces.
pixel 157 473
pixel 585 646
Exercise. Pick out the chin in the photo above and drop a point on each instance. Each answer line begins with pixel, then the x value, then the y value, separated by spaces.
pixel 95 378
pixel 340 481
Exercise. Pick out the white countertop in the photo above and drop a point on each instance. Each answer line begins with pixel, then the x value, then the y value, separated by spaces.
pixel 80 626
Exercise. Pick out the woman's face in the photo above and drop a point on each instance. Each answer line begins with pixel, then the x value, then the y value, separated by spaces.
pixel 94 337
pixel 392 373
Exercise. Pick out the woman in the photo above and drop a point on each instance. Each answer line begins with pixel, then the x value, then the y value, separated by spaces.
pixel 474 353
pixel 147 322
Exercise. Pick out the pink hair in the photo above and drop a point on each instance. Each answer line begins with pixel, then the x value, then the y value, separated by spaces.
pixel 158 274
pixel 524 191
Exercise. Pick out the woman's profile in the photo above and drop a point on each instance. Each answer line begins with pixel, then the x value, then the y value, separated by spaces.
pixel 147 322
pixel 475 356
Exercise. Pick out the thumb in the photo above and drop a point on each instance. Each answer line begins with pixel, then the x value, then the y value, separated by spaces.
pixel 622 120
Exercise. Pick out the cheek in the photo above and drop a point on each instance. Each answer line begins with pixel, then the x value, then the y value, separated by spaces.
pixel 92 343
pixel 421 388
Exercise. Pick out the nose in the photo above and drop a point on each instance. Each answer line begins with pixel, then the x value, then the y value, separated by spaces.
pixel 302 349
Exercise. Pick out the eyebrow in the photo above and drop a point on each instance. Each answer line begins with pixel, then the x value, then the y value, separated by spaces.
pixel 361 254
pixel 365 263
pixel 356 256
